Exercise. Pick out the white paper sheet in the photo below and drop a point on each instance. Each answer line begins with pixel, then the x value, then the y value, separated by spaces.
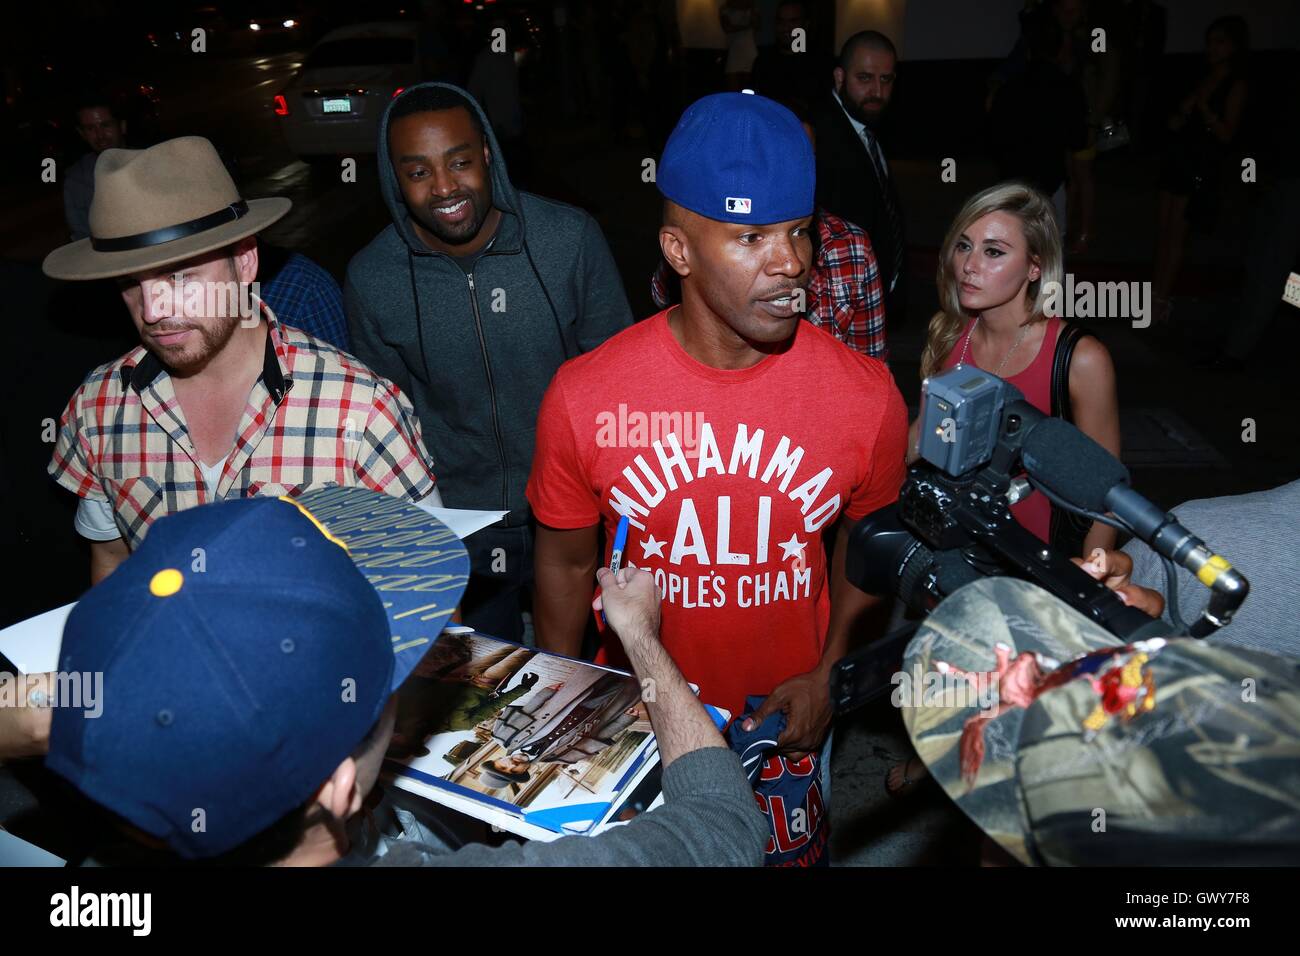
pixel 15 851
pixel 462 521
pixel 33 644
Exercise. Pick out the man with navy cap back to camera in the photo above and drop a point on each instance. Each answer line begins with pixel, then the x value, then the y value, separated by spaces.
pixel 733 436
pixel 248 705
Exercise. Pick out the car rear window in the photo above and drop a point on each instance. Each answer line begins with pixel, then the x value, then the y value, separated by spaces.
pixel 363 51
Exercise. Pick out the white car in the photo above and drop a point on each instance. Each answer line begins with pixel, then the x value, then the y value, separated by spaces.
pixel 333 105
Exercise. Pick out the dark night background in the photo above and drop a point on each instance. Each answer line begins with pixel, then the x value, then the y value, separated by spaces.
pixel 588 126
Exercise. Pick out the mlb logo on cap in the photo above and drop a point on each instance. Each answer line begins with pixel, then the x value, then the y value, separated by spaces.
pixel 738 205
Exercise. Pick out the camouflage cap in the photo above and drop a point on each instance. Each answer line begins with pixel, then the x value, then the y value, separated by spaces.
pixel 1070 747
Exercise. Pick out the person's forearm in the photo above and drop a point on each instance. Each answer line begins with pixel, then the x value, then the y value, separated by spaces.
pixel 104 559
pixel 681 724
pixel 849 610
pixel 850 606
pixel 561 603
pixel 709 818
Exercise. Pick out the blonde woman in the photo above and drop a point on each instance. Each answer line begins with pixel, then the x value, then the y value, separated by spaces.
pixel 995 266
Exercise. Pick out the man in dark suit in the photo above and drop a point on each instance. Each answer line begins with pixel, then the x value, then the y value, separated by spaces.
pixel 853 176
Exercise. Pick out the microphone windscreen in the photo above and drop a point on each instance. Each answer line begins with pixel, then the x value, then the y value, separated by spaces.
pixel 1070 464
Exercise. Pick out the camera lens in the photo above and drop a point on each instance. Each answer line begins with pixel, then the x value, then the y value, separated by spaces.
pixel 884 557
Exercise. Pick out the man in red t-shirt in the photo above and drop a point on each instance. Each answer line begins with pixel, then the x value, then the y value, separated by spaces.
pixel 730 433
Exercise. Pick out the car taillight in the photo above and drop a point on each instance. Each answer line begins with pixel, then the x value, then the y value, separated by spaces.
pixel 281 105
pixel 398 92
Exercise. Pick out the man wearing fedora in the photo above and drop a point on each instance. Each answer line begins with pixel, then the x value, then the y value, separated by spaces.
pixel 219 400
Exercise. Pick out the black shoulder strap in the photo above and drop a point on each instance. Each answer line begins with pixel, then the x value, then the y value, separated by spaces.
pixel 1067 530
pixel 1066 340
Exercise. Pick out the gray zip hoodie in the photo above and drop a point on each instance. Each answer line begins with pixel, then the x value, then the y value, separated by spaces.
pixel 476 352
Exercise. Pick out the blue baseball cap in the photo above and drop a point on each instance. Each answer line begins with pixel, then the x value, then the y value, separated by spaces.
pixel 245 654
pixel 739 157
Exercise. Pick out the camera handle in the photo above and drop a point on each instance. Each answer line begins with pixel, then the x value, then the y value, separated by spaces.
pixel 1029 558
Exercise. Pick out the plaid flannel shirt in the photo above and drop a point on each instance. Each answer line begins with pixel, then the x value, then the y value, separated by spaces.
pixel 845 294
pixel 305 296
pixel 315 417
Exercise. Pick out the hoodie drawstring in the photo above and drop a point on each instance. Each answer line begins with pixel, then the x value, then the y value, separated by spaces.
pixel 559 329
pixel 419 320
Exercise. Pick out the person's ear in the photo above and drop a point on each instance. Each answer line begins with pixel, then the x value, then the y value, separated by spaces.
pixel 339 795
pixel 1035 270
pixel 246 259
pixel 672 243
pixel 838 73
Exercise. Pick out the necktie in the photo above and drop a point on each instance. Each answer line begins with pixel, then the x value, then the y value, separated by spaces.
pixel 890 197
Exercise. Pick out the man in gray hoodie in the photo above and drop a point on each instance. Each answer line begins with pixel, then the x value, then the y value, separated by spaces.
pixel 470 301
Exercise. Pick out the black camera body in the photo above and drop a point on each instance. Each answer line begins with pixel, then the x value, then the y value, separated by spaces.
pixel 952 523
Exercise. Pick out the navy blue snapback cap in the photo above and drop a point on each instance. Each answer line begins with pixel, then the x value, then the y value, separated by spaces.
pixel 245 650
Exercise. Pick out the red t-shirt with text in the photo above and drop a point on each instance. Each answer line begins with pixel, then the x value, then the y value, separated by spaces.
pixel 730 479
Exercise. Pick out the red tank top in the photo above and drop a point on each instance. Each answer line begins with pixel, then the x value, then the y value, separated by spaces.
pixel 1035 383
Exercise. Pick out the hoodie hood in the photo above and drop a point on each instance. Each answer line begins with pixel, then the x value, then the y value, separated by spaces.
pixel 504 195
pixel 476 349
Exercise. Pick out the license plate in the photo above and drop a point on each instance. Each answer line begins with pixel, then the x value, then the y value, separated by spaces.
pixel 339 105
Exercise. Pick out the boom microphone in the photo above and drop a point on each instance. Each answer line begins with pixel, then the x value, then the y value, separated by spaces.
pixel 1073 467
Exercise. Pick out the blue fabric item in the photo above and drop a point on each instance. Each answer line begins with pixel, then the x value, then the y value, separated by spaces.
pixel 305 296
pixel 243 654
pixel 788 792
pixel 755 746
pixel 741 158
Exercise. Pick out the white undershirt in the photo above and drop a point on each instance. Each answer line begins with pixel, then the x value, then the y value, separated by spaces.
pixel 212 474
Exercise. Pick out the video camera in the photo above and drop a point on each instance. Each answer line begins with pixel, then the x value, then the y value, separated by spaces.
pixel 952 523
pixel 982 447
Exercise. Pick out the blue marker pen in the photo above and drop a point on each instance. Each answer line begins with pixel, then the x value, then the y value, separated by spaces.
pixel 620 542
pixel 616 555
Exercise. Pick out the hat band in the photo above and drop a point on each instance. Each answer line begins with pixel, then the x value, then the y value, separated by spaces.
pixel 142 240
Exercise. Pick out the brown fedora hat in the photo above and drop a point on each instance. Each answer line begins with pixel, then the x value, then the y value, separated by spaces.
pixel 160 205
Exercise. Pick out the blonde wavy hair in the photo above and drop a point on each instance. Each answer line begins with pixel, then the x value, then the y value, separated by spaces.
pixel 1038 220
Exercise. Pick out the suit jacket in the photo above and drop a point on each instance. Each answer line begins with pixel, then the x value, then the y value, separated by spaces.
pixel 847 185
